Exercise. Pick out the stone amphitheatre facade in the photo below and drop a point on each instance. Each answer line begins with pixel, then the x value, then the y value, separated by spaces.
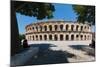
pixel 58 31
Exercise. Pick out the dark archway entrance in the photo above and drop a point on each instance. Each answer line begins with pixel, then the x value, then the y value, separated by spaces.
pixel 72 37
pixel 61 37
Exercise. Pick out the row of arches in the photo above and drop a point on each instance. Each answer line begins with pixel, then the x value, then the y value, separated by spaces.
pixel 60 27
pixel 60 37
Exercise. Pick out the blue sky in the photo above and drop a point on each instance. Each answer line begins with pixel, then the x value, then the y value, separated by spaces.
pixel 62 12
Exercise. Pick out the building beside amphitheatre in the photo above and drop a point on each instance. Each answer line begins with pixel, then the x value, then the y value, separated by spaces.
pixel 59 30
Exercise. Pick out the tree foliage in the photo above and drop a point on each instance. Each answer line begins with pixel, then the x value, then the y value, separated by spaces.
pixel 36 9
pixel 21 36
pixel 85 13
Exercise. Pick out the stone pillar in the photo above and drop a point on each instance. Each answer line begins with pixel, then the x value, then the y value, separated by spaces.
pixel 38 28
pixel 42 28
pixel 35 29
pixel 47 28
pixel 64 36
pixel 53 37
pixel 74 27
pixel 53 29
pixel 69 36
pixel 74 36
pixel 69 27
pixel 79 28
pixel 64 27
pixel 59 28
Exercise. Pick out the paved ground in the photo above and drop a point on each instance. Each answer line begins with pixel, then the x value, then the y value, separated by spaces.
pixel 52 54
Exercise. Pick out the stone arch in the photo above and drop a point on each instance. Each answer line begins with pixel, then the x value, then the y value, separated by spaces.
pixel 36 37
pixel 77 26
pixel 55 37
pixel 84 27
pixel 50 27
pixel 81 28
pixel 67 37
pixel 33 28
pixel 81 36
pixel 77 37
pixel 67 26
pixel 56 27
pixel 40 37
pixel 30 28
pixel 72 37
pixel 84 37
pixel 61 27
pixel 72 27
pixel 45 28
pixel 45 37
pixel 87 27
pixel 50 37
pixel 88 37
pixel 61 36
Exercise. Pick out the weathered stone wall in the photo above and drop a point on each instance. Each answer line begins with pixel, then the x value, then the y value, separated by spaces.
pixel 58 31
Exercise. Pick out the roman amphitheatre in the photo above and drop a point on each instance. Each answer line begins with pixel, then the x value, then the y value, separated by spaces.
pixel 54 31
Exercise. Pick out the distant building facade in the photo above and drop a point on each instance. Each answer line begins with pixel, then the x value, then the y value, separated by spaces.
pixel 58 31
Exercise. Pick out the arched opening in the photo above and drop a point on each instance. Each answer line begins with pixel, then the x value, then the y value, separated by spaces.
pixel 67 27
pixel 50 37
pixel 67 37
pixel 61 27
pixel 77 26
pixel 72 27
pixel 88 27
pixel 33 37
pixel 81 37
pixel 61 37
pixel 33 28
pixel 45 28
pixel 45 37
pixel 50 27
pixel 84 37
pixel 56 27
pixel 55 37
pixel 40 37
pixel 36 37
pixel 72 37
pixel 77 37
pixel 81 28
pixel 85 27
pixel 30 28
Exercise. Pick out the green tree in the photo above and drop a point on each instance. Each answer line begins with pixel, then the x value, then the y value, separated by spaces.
pixel 21 36
pixel 85 13
pixel 35 9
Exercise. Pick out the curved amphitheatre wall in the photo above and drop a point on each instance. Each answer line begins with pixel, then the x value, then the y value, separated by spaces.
pixel 57 31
